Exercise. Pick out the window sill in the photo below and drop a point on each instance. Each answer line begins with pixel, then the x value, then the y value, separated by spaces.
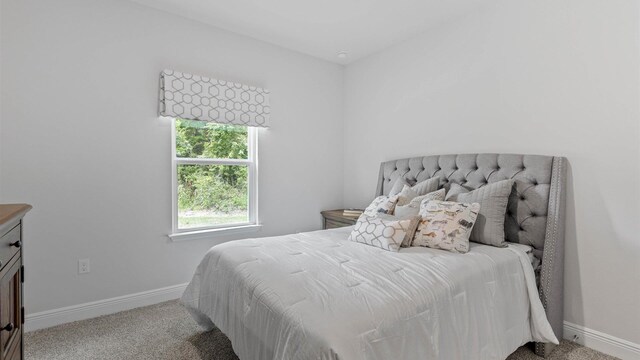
pixel 211 233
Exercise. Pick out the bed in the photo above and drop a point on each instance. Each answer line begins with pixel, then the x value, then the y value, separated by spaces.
pixel 316 295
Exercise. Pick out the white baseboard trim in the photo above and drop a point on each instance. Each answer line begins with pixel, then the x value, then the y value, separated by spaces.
pixel 602 342
pixel 93 309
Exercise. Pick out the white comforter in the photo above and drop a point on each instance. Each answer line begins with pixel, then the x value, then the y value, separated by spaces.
pixel 318 296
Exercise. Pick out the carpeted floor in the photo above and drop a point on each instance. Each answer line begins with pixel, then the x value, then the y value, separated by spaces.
pixel 166 331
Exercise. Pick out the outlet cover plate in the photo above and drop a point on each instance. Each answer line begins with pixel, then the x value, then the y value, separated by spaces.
pixel 83 266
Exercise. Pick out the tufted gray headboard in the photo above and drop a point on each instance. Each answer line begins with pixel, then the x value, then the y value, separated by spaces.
pixel 535 213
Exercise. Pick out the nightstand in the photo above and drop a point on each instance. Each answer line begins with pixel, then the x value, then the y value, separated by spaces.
pixel 335 218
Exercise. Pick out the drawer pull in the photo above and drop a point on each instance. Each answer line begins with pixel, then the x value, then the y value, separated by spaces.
pixel 17 244
pixel 8 327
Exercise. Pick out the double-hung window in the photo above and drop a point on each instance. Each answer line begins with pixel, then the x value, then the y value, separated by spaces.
pixel 214 152
pixel 214 176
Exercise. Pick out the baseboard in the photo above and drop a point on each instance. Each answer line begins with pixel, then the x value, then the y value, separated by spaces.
pixel 602 342
pixel 93 309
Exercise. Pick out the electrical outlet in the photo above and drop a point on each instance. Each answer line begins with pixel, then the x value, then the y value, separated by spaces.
pixel 83 266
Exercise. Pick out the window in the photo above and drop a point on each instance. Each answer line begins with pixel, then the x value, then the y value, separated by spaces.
pixel 214 176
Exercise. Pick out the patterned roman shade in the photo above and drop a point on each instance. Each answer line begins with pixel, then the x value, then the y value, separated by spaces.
pixel 196 97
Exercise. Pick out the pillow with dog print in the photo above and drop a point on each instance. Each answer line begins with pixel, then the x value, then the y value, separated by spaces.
pixel 382 205
pixel 446 225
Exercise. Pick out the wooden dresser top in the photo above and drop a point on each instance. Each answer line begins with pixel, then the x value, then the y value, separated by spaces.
pixel 9 212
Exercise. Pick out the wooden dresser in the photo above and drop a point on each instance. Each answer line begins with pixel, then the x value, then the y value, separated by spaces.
pixel 336 218
pixel 11 279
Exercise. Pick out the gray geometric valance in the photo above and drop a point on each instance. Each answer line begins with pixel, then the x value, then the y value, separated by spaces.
pixel 196 97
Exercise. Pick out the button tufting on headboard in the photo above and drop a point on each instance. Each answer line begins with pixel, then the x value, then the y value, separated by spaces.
pixel 527 208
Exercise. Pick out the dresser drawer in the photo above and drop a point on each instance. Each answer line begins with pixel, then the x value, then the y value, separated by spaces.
pixel 6 249
pixel 10 311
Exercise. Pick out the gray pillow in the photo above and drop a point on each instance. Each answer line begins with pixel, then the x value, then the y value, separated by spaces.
pixel 406 195
pixel 426 186
pixel 398 185
pixel 422 188
pixel 413 207
pixel 493 199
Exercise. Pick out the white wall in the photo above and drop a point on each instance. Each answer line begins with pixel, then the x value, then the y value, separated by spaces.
pixel 81 140
pixel 0 92
pixel 82 143
pixel 528 76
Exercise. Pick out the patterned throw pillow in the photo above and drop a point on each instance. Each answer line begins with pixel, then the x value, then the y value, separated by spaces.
pixel 381 205
pixel 413 207
pixel 446 225
pixel 385 232
pixel 412 228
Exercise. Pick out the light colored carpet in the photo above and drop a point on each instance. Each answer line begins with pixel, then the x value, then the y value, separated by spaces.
pixel 166 331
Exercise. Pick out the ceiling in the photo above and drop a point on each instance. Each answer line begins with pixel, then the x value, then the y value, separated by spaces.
pixel 322 28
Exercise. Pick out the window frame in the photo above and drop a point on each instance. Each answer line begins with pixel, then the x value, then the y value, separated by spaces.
pixel 252 187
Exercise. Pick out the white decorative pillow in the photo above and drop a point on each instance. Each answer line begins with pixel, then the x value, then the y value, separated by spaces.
pixel 411 230
pixel 381 205
pixel 413 207
pixel 446 225
pixel 387 233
